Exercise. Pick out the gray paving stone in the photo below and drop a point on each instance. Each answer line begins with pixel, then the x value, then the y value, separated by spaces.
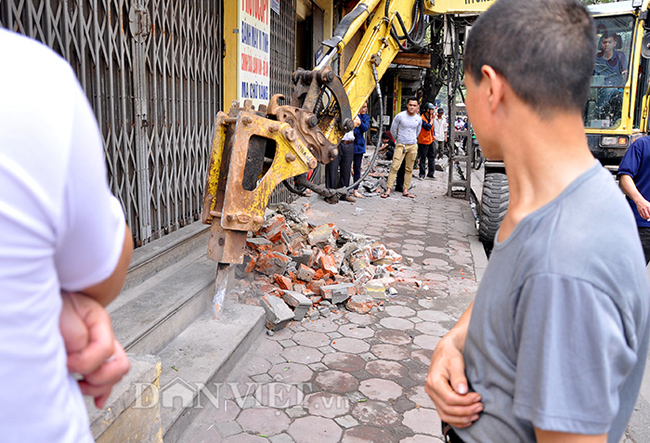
pixel 427 341
pixel 262 378
pixel 423 421
pixel 267 421
pixel 342 361
pixel 389 352
pixel 281 438
pixel 228 428
pixel 400 324
pixel 296 412
pixel 346 421
pixel 318 367
pixel 350 345
pixel 375 413
pixel 419 396
pixel 326 404
pixel 366 434
pixel 386 369
pixel 354 331
pixel 327 350
pixel 291 373
pixel 315 429
pixel 336 381
pixel 400 311
pixel 287 343
pixel 302 354
pixel 431 328
pixel 368 356
pixel 312 339
pixel 380 389
pixel 334 334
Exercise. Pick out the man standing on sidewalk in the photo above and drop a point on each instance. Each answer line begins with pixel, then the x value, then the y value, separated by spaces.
pixel 440 127
pixel 405 130
pixel 426 149
pixel 554 346
pixel 634 177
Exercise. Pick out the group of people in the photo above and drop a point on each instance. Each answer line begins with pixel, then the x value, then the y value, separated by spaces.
pixel 412 138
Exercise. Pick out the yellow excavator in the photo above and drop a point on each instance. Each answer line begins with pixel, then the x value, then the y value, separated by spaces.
pixel 254 150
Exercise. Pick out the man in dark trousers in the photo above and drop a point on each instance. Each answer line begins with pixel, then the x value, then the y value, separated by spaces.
pixel 634 177
pixel 426 149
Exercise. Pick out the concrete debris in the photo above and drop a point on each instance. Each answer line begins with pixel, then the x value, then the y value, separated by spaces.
pixel 305 271
pixel 278 313
pixel 298 302
pixel 338 293
pixel 361 304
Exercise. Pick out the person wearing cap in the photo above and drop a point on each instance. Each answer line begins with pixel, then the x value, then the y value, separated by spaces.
pixel 426 149
pixel 440 132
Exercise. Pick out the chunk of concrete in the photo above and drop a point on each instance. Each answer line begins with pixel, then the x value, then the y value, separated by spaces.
pixel 324 235
pixel 376 289
pixel 271 263
pixel 278 313
pixel 337 293
pixel 361 304
pixel 298 302
pixel 305 273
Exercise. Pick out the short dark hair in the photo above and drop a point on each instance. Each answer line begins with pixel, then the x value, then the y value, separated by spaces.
pixel 413 99
pixel 545 49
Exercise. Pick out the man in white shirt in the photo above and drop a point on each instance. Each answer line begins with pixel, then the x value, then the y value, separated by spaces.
pixel 62 232
pixel 440 127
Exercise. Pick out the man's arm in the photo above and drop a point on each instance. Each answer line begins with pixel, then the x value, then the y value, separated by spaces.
pixel 446 382
pixel 629 187
pixel 561 437
pixel 394 126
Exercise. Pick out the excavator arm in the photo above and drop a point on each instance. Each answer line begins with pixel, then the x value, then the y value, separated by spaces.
pixel 255 150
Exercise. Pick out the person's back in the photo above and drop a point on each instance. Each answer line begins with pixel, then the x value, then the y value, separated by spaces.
pixel 543 293
pixel 60 227
pixel 554 345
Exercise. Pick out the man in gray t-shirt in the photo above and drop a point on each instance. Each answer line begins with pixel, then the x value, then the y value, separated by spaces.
pixel 405 130
pixel 554 346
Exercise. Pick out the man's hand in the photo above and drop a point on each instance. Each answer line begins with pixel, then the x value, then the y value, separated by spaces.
pixel 643 206
pixel 447 386
pixel 102 361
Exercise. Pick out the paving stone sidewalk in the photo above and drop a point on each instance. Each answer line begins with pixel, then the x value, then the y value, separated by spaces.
pixel 358 378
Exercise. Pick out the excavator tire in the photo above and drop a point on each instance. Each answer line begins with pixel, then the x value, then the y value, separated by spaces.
pixel 494 204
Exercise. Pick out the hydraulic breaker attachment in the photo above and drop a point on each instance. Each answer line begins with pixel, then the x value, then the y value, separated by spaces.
pixel 252 154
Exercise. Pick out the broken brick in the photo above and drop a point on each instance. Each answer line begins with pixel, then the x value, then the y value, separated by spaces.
pixel 305 273
pixel 299 287
pixel 324 235
pixel 315 286
pixel 314 260
pixel 377 251
pixel 259 244
pixel 302 256
pixel 280 248
pixel 298 302
pixel 361 304
pixel 271 263
pixel 278 313
pixel 283 282
pixel 328 264
pixel 251 264
pixel 359 263
pixel 318 274
pixel 337 293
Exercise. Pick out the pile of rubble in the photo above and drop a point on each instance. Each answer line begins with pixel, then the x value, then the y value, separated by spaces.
pixel 308 270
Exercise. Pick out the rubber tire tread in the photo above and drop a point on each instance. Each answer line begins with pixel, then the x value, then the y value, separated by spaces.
pixel 494 204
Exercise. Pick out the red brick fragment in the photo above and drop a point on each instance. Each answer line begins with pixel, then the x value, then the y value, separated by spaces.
pixel 328 264
pixel 283 282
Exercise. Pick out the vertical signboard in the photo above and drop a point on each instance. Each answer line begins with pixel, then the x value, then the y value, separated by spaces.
pixel 253 51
